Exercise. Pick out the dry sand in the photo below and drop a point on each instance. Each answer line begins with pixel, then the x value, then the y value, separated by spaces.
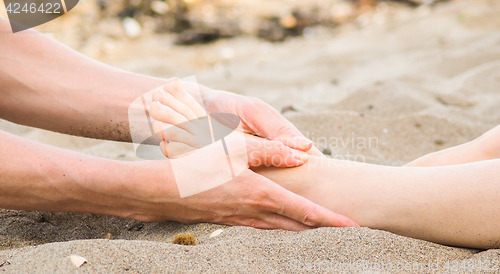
pixel 426 80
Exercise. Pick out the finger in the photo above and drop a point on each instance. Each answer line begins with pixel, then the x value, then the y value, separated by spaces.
pixel 266 124
pixel 177 90
pixel 298 137
pixel 167 99
pixel 285 121
pixel 273 153
pixel 315 152
pixel 292 142
pixel 292 137
pixel 173 133
pixel 167 115
pixel 306 212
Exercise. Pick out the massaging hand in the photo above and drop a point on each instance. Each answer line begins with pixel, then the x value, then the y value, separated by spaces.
pixel 185 126
pixel 258 117
pixel 249 199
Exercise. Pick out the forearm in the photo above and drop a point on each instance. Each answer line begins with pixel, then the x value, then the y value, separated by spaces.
pixel 48 85
pixel 453 205
pixel 34 176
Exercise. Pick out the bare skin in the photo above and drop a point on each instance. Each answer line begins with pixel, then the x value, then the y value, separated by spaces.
pixel 486 147
pixel 453 205
pixel 52 179
pixel 452 200
pixel 47 85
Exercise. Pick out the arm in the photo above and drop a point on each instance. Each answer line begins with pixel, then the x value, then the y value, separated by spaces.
pixel 34 176
pixel 452 205
pixel 48 85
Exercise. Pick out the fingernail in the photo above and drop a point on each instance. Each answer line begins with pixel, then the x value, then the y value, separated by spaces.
pixel 300 155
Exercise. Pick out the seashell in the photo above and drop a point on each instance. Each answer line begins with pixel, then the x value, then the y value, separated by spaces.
pixel 77 260
pixel 216 233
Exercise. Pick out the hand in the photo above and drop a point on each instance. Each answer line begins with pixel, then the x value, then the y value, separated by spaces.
pixel 257 117
pixel 185 127
pixel 248 200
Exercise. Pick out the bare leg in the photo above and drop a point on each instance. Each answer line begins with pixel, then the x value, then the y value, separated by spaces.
pixel 486 147
pixel 452 205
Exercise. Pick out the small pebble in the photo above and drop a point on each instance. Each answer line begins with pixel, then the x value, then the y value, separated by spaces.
pixel 160 7
pixel 288 22
pixel 288 108
pixel 132 28
pixel 439 142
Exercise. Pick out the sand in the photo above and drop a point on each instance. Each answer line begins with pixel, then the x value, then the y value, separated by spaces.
pixel 424 81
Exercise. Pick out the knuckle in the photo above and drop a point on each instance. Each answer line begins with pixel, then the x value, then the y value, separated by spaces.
pixel 308 219
pixel 156 95
pixel 305 218
pixel 282 130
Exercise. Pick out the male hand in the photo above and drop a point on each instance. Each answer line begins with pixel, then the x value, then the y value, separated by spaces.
pixel 253 200
pixel 258 118
pixel 248 200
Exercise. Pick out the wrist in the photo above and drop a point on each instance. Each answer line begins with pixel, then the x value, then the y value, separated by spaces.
pixel 148 187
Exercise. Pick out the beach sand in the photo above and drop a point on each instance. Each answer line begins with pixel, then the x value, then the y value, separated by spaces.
pixel 386 93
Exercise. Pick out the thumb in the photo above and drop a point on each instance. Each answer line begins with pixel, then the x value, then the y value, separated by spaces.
pixel 295 141
pixel 273 128
pixel 274 153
